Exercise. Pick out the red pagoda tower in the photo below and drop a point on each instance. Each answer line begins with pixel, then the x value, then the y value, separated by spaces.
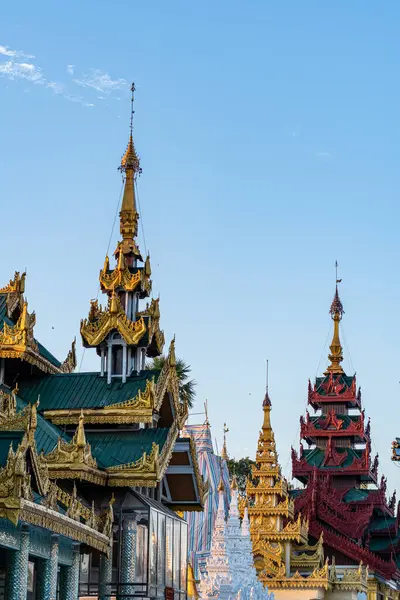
pixel 341 497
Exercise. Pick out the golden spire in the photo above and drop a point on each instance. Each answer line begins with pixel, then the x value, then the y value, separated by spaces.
pixel 336 312
pixel 234 485
pixel 224 453
pixel 130 166
pixel 221 487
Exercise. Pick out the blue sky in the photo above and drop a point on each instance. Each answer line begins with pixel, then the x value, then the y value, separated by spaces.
pixel 268 134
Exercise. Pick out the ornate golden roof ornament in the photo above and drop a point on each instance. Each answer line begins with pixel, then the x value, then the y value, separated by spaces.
pixel 234 485
pixel 221 487
pixel 74 460
pixel 336 354
pixel 16 285
pixel 69 363
pixel 101 322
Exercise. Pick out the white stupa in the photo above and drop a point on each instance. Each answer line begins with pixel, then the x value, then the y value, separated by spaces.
pixel 230 572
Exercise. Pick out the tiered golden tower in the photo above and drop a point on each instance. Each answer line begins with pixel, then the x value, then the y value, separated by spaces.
pixel 273 529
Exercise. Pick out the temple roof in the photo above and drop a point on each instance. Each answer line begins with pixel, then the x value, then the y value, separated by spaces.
pixel 43 352
pixel 120 448
pixel 316 456
pixel 82 390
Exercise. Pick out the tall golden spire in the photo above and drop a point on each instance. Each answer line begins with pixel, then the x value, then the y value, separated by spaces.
pixel 128 215
pixel 336 312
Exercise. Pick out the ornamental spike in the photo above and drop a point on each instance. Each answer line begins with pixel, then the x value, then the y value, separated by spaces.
pixel 336 351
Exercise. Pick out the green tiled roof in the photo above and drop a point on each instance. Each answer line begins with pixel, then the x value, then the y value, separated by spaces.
pixel 315 457
pixel 7 438
pixel 356 495
pixel 120 448
pixel 82 390
pixel 47 355
pixel 382 523
pixel 347 379
pixel 46 435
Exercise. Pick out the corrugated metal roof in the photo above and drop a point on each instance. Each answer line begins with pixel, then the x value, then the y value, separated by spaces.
pixel 82 390
pixel 126 446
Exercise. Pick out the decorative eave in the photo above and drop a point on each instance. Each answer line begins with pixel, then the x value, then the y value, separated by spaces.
pixel 331 425
pixel 308 556
pixel 280 487
pixel 16 497
pixel 295 531
pixel 101 322
pixel 41 516
pixel 319 578
pixel 16 285
pixel 74 460
pixel 349 580
pixel 69 364
pixel 265 506
pixel 122 278
pixel 139 409
pixel 149 469
pixel 10 419
pixel 334 390
pixel 156 339
pixel 168 382
pixel 202 487
pixel 17 341
pixel 332 458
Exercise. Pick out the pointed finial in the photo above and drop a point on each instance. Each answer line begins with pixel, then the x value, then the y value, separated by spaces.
pixel 234 485
pixel 172 357
pixel 130 160
pixel 80 432
pixel 336 311
pixel 224 453
pixel 267 401
pixel 221 487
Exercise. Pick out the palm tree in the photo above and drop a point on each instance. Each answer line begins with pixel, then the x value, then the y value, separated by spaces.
pixel 186 386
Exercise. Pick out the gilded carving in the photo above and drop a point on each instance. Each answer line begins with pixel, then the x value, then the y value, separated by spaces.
pixel 101 322
pixel 69 364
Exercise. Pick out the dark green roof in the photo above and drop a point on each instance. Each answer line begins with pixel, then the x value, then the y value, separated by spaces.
pixel 346 379
pixel 382 523
pixel 82 390
pixel 356 495
pixel 315 457
pixel 47 355
pixel 6 439
pixel 121 448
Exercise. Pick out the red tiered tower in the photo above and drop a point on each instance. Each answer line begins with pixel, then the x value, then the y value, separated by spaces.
pixel 341 497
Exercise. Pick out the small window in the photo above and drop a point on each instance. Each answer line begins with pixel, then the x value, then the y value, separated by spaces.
pixel 116 360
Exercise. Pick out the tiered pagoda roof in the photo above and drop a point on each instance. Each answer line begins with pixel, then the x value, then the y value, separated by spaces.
pixel 285 555
pixel 342 498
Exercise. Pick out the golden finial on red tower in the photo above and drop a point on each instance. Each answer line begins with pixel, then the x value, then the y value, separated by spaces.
pixel 336 311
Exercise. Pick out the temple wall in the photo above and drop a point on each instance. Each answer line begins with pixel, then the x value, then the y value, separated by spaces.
pixel 318 594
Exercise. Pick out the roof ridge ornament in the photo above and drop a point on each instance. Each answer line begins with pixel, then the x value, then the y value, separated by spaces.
pixel 336 311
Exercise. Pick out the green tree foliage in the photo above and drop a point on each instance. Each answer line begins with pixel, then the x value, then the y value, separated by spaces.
pixel 242 469
pixel 187 386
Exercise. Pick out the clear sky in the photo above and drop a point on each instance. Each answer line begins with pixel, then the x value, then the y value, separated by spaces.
pixel 269 138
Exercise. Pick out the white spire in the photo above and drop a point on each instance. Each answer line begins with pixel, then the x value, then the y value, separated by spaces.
pixel 230 572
